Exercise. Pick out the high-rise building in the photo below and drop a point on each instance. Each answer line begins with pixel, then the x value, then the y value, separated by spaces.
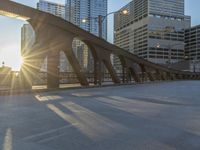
pixel 27 38
pixel 77 10
pixel 88 10
pixel 52 8
pixel 192 40
pixel 153 29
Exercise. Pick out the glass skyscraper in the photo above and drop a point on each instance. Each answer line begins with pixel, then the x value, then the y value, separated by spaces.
pixel 88 10
pixel 52 8
pixel 77 10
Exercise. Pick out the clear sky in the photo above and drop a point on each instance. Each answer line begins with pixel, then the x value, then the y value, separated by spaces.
pixel 10 29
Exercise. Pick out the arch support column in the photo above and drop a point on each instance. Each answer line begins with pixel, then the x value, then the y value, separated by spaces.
pixel 111 70
pixel 53 62
pixel 148 72
pixel 132 69
pixel 103 56
pixel 68 50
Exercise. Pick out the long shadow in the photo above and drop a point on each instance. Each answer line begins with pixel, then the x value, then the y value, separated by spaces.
pixel 163 133
pixel 135 130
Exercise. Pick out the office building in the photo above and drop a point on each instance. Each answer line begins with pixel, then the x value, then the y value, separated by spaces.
pixel 52 8
pixel 88 10
pixel 153 29
pixel 192 40
pixel 27 38
pixel 192 47
pixel 77 10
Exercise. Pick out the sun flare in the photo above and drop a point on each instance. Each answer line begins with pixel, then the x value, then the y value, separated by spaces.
pixel 21 62
pixel 15 63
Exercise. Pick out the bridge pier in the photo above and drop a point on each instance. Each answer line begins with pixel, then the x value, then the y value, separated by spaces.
pixel 111 70
pixel 95 72
pixel 147 71
pixel 134 75
pixel 158 75
pixel 169 77
pixel 53 69
pixel 98 72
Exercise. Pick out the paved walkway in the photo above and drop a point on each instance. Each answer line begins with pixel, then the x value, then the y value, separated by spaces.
pixel 158 116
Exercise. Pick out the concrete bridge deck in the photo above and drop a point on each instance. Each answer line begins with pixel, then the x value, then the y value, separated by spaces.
pixel 157 116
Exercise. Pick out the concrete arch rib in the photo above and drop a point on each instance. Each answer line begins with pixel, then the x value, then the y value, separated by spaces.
pixel 68 50
pixel 147 72
pixel 118 66
pixel 52 33
pixel 58 40
pixel 102 57
pixel 86 57
pixel 108 65
pixel 133 73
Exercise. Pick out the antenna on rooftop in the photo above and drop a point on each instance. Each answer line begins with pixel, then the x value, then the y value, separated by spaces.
pixel 3 64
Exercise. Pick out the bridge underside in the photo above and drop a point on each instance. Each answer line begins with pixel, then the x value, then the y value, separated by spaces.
pixel 13 15
pixel 54 34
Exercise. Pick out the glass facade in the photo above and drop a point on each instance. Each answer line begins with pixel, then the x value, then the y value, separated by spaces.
pixel 88 10
pixel 192 40
pixel 52 8
pixel 167 7
pixel 77 10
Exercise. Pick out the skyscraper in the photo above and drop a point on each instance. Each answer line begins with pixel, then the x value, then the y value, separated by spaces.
pixel 88 10
pixel 192 40
pixel 153 29
pixel 27 38
pixel 52 8
pixel 77 10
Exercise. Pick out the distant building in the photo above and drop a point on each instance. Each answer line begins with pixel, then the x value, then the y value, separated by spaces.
pixel 192 40
pixel 77 10
pixel 153 29
pixel 88 10
pixel 52 8
pixel 27 38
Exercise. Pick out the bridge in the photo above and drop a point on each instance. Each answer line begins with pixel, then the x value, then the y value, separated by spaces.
pixel 54 34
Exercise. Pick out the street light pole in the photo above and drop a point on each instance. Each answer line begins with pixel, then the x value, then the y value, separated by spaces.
pixel 100 25
pixel 102 18
pixel 98 65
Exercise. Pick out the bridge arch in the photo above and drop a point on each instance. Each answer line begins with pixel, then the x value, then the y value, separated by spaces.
pixel 55 34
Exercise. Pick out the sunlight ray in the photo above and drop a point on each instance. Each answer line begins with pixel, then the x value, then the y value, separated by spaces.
pixel 91 124
pixel 8 140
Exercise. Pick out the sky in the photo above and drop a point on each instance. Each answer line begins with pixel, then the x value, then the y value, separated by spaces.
pixel 10 29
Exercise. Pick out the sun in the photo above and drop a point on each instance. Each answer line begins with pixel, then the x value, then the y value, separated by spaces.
pixel 17 64
pixel 21 61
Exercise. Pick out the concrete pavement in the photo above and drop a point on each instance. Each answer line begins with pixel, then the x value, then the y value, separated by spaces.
pixel 135 117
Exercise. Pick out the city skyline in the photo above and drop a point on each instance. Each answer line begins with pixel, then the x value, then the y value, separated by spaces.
pixel 12 32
